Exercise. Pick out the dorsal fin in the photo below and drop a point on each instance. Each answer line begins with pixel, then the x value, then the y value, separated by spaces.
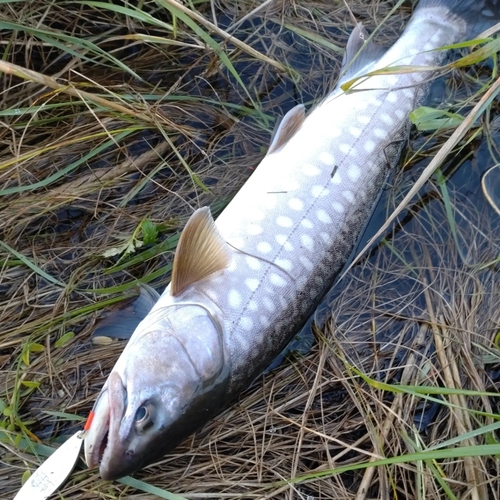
pixel 287 127
pixel 200 252
pixel 364 62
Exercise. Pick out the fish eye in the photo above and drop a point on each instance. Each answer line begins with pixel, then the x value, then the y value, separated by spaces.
pixel 143 417
pixel 141 414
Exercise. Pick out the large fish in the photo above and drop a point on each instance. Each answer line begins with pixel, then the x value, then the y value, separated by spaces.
pixel 242 286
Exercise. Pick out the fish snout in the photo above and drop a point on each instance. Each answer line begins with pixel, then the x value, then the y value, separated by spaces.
pixel 104 430
pixel 96 437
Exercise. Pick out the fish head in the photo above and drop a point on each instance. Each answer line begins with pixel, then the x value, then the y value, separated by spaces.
pixel 160 391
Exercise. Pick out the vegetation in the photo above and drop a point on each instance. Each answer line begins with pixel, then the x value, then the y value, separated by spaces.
pixel 117 119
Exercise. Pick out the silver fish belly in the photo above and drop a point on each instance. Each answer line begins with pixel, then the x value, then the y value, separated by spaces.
pixel 242 286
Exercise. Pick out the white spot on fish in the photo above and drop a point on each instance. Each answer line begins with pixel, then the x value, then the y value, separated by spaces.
pixel 336 179
pixel 380 133
pixel 348 195
pixel 244 345
pixel 391 97
pixel 354 173
pixel 355 131
pixel 310 170
pixel 277 280
pixel 323 216
pixel 254 229
pixel 253 305
pixel 283 302
pixel 264 321
pixel 246 323
pixel 295 204
pixel 284 221
pixel 306 223
pixel 269 304
pixel 284 264
pixel 252 284
pixel 327 239
pixel 264 247
pixel 306 262
pixel 307 242
pixel 253 263
pixel 232 265
pixel 408 93
pixel 338 207
pixel 326 158
pixel 234 298
pixel 345 148
pixel 364 119
pixel 400 113
pixel 387 119
pixel 429 46
pixel 317 191
pixel 369 145
pixel 413 51
pixel 374 101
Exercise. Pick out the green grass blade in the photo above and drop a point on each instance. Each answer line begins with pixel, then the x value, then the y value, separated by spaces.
pixel 27 262
pixel 468 435
pixel 148 488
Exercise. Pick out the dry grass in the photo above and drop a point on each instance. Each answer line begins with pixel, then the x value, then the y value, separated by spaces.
pixel 148 122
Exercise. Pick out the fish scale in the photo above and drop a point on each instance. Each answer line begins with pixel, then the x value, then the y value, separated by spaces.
pixel 243 286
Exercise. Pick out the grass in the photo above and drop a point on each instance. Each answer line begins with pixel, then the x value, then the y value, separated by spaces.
pixel 117 120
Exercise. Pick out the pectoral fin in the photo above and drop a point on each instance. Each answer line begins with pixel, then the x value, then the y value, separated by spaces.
pixel 201 251
pixel 122 321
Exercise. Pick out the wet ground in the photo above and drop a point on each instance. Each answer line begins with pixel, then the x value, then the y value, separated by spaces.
pixel 68 206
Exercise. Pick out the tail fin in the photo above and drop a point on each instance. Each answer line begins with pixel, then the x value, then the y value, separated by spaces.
pixel 478 15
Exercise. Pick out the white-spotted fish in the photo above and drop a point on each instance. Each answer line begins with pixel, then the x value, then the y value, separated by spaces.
pixel 242 286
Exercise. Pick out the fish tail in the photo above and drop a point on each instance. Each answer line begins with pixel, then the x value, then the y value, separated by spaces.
pixel 476 15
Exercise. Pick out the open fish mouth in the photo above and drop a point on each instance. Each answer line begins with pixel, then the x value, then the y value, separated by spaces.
pixel 96 439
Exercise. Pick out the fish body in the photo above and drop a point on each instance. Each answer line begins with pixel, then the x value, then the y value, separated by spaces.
pixel 242 286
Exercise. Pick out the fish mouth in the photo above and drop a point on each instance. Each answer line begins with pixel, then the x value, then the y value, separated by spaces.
pixel 96 439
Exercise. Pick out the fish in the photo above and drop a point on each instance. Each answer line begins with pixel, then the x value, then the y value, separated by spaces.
pixel 243 285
